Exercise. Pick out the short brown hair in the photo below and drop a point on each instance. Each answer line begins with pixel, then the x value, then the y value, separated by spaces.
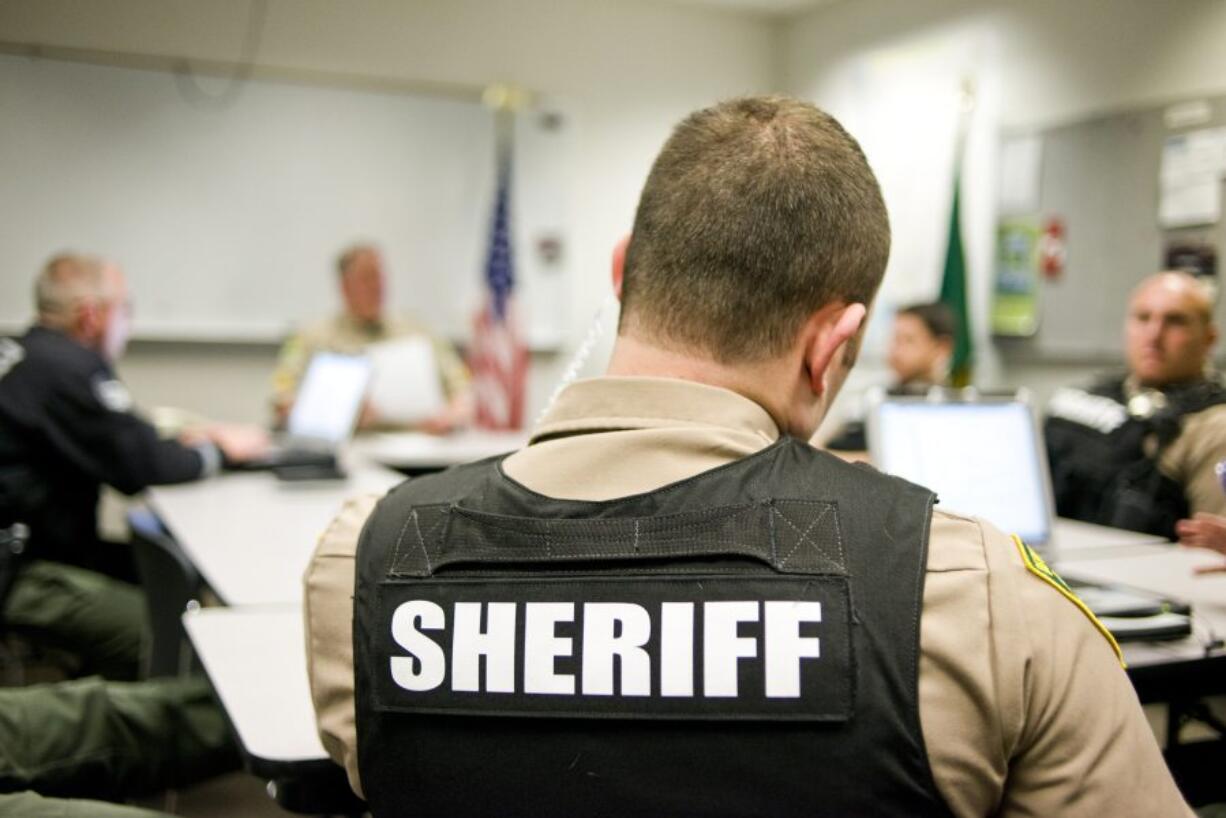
pixel 350 254
pixel 757 212
pixel 936 317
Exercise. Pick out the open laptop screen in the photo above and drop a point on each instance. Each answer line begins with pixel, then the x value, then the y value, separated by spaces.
pixel 329 398
pixel 982 459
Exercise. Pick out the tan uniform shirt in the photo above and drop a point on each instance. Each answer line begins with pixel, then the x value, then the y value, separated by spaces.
pixel 1024 708
pixel 1191 458
pixel 347 335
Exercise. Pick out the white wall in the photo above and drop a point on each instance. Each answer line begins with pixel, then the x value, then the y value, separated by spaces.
pixel 890 68
pixel 629 68
pixel 893 70
pixel 1056 61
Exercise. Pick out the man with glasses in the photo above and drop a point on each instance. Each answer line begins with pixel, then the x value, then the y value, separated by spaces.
pixel 67 426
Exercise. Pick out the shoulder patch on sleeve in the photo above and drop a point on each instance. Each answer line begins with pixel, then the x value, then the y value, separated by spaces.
pixel 1035 565
pixel 1095 411
pixel 113 395
pixel 11 354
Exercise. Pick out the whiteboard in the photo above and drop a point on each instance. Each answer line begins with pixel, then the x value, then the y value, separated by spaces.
pixel 228 220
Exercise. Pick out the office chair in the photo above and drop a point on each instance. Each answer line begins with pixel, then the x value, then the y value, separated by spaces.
pixel 315 788
pixel 13 541
pixel 171 585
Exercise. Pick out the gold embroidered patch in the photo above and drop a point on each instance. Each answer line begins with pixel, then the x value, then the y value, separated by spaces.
pixel 1036 565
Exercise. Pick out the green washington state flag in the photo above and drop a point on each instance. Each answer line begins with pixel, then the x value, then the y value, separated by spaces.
pixel 954 295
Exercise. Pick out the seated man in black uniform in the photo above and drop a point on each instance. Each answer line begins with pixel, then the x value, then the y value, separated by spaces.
pixel 67 426
pixel 669 604
pixel 1138 450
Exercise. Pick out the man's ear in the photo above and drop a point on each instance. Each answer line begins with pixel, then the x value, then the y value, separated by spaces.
pixel 88 321
pixel 619 265
pixel 827 331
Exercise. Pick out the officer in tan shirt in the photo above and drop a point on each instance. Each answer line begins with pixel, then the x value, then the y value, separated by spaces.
pixel 362 323
pixel 759 242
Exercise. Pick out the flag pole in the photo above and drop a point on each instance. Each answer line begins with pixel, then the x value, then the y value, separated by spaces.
pixel 954 290
pixel 498 356
pixel 505 100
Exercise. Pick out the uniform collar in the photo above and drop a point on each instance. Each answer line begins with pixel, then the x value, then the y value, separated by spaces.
pixel 620 403
pixel 41 333
pixel 37 330
pixel 1131 386
pixel 367 328
pixel 64 346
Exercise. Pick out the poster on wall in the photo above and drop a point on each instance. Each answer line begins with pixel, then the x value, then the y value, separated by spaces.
pixel 1015 296
pixel 1190 178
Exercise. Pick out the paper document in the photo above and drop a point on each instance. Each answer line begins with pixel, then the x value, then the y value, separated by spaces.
pixel 1167 570
pixel 1192 203
pixel 406 387
pixel 1190 180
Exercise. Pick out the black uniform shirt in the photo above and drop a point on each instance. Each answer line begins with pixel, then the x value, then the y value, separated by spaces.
pixel 66 427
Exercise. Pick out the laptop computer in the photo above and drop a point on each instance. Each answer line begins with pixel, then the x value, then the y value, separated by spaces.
pixel 323 417
pixel 985 456
pixel 982 456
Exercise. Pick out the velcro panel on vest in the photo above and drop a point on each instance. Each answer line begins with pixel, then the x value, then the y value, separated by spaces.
pixel 731 612
pixel 803 537
pixel 752 647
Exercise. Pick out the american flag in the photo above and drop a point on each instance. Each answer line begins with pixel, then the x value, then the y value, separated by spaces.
pixel 499 359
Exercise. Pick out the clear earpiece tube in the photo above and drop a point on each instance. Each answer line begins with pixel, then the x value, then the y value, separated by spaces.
pixel 582 354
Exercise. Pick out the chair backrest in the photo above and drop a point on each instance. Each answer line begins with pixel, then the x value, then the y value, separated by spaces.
pixel 170 583
pixel 13 541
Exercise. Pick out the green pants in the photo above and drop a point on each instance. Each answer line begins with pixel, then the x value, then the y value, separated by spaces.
pixel 31 805
pixel 96 619
pixel 97 739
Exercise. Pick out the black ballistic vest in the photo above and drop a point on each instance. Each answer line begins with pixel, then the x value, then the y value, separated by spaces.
pixel 741 643
pixel 1104 475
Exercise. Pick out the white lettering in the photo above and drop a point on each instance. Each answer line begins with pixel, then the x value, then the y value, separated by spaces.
pixel 785 647
pixel 722 647
pixel 677 649
pixel 497 644
pixel 613 644
pixel 405 630
pixel 542 647
pixel 601 643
